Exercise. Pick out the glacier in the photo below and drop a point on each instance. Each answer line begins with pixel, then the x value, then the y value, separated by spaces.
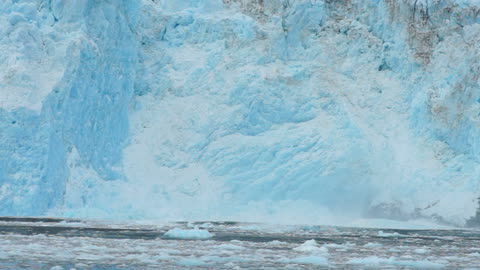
pixel 304 111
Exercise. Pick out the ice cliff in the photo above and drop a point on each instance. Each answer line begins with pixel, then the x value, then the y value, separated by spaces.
pixel 283 110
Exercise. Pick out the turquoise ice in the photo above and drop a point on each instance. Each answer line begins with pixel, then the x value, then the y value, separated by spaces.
pixel 282 110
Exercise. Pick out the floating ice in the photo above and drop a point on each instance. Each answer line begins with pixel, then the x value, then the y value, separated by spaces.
pixel 315 260
pixel 421 251
pixel 190 262
pixel 337 246
pixel 377 261
pixel 372 245
pixel 311 246
pixel 172 253
pixel 394 234
pixel 276 242
pixel 188 233
pixel 229 247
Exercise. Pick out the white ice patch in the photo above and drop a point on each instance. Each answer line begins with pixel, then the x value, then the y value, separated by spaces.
pixel 394 234
pixel 315 260
pixel 311 246
pixel 190 262
pixel 229 247
pixel 178 233
pixel 421 251
pixel 372 245
pixel 336 246
pixel 377 261
pixel 276 243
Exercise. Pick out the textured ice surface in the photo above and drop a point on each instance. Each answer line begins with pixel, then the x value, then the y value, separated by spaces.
pixel 287 111
pixel 84 113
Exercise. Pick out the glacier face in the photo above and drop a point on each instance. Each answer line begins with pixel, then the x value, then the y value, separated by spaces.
pixel 282 110
pixel 57 54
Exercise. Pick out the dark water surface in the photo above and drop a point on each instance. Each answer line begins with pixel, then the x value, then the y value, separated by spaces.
pixel 44 243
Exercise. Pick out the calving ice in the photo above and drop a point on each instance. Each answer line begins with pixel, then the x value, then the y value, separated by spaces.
pixel 296 111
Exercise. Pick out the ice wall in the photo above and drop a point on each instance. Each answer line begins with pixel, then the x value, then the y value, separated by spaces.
pixel 66 81
pixel 252 110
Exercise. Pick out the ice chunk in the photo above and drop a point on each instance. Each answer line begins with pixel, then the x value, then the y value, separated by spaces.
pixel 315 260
pixel 190 262
pixel 421 264
pixel 421 251
pixel 188 233
pixel 394 234
pixel 337 246
pixel 372 245
pixel 276 242
pixel 376 261
pixel 311 246
pixel 372 260
pixel 229 247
